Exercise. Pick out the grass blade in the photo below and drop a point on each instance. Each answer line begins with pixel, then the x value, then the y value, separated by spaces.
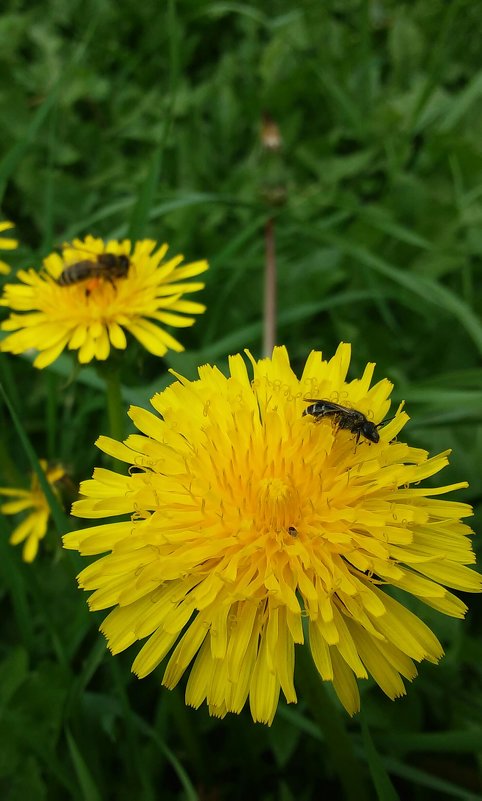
pixel 10 161
pixel 147 193
pixel 420 285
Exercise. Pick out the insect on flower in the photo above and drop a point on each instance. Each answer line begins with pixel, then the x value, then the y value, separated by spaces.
pixel 90 295
pixel 109 266
pixel 230 552
pixel 344 417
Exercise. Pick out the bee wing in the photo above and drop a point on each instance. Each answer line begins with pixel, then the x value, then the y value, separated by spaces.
pixel 387 420
pixel 330 407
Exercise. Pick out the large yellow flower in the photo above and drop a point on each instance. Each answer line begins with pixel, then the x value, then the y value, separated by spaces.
pixel 246 517
pixel 34 527
pixel 90 314
pixel 6 243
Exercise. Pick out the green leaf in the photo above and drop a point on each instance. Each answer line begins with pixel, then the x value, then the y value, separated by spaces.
pixel 283 738
pixel 381 780
pixel 420 778
pixel 13 671
pixel 461 104
pixel 88 787
pixel 452 742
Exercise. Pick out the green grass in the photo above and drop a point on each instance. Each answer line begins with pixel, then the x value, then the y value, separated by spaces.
pixel 125 119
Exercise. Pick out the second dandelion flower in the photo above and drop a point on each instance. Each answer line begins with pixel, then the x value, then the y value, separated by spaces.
pixel 86 298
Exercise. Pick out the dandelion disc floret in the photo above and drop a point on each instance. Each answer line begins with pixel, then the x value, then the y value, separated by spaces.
pixel 78 302
pixel 246 517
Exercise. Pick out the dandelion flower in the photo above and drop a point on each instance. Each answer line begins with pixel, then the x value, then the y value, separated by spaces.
pixel 34 527
pixel 6 244
pixel 91 314
pixel 252 528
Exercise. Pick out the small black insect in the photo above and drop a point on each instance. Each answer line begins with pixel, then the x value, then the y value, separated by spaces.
pixel 105 265
pixel 343 417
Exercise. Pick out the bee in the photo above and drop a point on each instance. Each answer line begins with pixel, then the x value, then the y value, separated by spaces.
pixel 109 266
pixel 344 417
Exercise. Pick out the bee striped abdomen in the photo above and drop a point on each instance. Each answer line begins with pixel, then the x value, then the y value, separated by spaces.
pixel 108 266
pixel 77 272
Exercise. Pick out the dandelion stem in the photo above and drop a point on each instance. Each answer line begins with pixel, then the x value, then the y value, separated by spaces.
pixel 115 406
pixel 192 743
pixel 338 742
pixel 16 584
pixel 132 736
pixel 52 415
pixel 269 319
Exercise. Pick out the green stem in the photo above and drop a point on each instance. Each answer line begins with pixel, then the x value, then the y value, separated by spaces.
pixel 136 761
pixel 16 583
pixel 340 747
pixel 115 405
pixel 52 392
pixel 269 316
pixel 192 743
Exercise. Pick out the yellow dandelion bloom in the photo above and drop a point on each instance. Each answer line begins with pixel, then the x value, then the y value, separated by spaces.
pixel 81 302
pixel 34 527
pixel 6 243
pixel 253 527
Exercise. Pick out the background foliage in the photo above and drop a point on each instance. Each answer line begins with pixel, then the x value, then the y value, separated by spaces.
pixel 125 118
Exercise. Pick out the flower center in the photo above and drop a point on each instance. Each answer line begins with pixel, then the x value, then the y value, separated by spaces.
pixel 276 503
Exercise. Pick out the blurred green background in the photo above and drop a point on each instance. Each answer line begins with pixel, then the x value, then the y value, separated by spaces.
pixel 144 119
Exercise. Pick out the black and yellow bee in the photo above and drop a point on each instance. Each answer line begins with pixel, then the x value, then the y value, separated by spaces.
pixel 108 266
pixel 344 417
